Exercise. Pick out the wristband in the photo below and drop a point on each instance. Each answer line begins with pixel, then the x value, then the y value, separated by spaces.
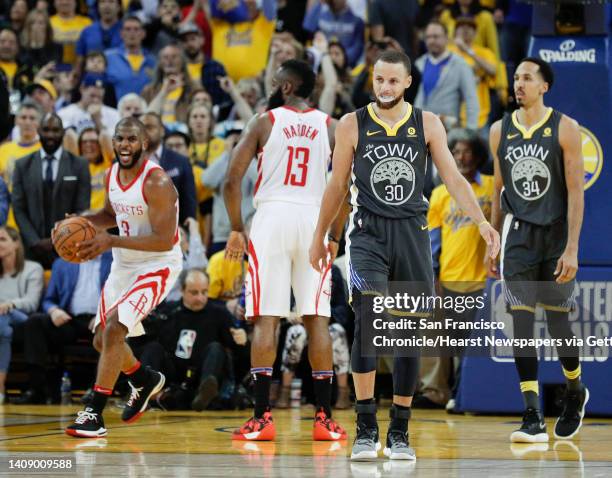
pixel 483 222
pixel 331 238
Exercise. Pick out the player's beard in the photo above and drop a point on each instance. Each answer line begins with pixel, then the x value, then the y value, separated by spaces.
pixel 135 158
pixel 276 100
pixel 387 105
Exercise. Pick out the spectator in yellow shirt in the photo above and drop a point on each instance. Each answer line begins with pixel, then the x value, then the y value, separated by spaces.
pixel 27 121
pixel 242 48
pixel 486 30
pixel 98 150
pixel 483 62
pixel 204 150
pixel 458 256
pixel 169 93
pixel 67 28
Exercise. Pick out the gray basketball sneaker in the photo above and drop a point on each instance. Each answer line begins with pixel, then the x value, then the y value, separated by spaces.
pixel 397 446
pixel 366 445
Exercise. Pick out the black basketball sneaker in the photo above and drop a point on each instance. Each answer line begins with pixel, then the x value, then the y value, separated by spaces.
pixel 533 429
pixel 140 395
pixel 88 424
pixel 570 420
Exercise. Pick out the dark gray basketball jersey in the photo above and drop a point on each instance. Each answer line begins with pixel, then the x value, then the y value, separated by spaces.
pixel 389 166
pixel 531 163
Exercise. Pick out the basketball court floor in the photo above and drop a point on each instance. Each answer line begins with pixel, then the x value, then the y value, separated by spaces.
pixel 184 444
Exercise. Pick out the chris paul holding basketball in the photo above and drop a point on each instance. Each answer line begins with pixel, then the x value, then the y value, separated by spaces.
pixel 143 203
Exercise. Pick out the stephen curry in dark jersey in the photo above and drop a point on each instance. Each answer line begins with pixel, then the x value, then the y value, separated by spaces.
pixel 381 150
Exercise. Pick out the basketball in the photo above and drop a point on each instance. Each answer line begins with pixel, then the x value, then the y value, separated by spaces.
pixel 68 234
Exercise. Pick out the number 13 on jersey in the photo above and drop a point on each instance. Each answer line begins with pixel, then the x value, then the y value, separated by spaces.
pixel 297 166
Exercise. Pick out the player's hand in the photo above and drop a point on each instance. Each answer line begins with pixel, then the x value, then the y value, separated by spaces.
pixel 332 248
pixel 491 237
pixel 318 255
pixel 567 266
pixel 92 248
pixel 491 266
pixel 235 247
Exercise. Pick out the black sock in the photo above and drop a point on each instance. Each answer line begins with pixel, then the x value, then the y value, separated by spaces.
pixel 367 419
pixel 572 378
pixel 137 374
pixel 526 358
pixel 397 423
pixel 322 391
pixel 98 401
pixel 262 393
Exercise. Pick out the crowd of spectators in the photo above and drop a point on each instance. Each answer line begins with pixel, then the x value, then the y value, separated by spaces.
pixel 195 72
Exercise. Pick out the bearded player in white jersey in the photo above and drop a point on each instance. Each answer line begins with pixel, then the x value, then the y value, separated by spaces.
pixel 293 148
pixel 143 203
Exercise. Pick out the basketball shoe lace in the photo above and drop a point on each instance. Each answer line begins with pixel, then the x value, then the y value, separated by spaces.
pixel 134 395
pixel 84 415
pixel 398 437
pixel 366 435
pixel 326 421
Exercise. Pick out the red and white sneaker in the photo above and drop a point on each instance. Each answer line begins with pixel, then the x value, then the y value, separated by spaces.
pixel 257 429
pixel 326 429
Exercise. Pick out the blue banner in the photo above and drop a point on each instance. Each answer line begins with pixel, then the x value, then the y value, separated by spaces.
pixel 582 90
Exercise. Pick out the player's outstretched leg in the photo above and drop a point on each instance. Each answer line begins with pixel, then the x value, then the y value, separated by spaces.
pixel 321 360
pixel 260 427
pixel 115 356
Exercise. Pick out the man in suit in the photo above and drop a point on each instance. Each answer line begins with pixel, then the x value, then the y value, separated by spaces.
pixel 175 165
pixel 47 185
pixel 447 81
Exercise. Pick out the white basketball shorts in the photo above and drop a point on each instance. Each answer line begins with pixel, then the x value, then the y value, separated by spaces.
pixel 279 240
pixel 134 291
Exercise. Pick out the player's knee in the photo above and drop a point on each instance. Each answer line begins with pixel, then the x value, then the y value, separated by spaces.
pixel 98 341
pixel 114 332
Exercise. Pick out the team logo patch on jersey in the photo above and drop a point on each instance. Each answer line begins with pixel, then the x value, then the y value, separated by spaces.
pixel 592 155
pixel 530 178
pixel 392 181
pixel 547 132
pixel 411 131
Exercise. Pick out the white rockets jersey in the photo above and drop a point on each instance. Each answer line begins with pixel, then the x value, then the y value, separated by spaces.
pixel 132 215
pixel 293 164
